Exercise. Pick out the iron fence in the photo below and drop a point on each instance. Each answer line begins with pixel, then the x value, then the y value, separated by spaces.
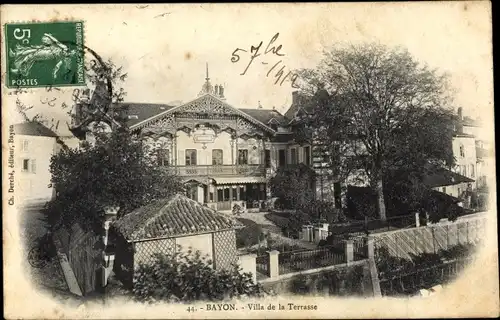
pixel 294 261
pixel 360 245
pixel 262 264
pixel 397 282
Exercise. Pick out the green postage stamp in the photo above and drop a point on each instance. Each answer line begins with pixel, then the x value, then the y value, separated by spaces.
pixel 44 54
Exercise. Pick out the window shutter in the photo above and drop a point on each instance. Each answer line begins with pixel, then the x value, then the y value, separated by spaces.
pixel 33 166
pixel 181 160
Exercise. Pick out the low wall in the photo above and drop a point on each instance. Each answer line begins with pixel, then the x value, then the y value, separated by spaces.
pixel 339 280
pixel 405 243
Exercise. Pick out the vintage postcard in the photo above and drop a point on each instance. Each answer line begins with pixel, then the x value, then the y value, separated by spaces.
pixel 293 160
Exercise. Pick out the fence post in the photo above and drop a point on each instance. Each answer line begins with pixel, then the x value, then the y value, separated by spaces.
pixel 273 264
pixel 370 244
pixel 248 264
pixel 417 219
pixel 349 251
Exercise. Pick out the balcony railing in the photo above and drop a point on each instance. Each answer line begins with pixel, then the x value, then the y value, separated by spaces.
pixel 221 170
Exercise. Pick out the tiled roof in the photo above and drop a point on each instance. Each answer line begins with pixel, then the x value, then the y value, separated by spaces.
pixel 143 111
pixel 444 178
pixel 283 137
pixel 265 115
pixel 33 129
pixel 172 217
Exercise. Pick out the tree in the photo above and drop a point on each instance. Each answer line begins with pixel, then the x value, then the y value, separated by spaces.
pixel 292 185
pixel 186 277
pixel 378 112
pixel 119 170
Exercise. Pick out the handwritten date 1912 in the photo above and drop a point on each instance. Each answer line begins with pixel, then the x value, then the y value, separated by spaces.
pixel 273 50
pixel 255 52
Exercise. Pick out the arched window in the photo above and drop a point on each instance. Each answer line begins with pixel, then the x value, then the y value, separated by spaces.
pixel 462 151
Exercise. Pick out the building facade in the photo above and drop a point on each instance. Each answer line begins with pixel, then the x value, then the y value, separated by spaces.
pixel 34 146
pixel 225 154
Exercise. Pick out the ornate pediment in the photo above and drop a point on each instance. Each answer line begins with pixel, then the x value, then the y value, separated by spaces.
pixel 210 111
pixel 165 124
pixel 207 104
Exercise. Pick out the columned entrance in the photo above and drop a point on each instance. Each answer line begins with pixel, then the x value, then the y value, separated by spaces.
pixel 248 195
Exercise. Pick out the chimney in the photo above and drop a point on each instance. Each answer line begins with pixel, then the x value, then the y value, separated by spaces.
pixel 460 115
pixel 260 106
pixel 221 91
pixel 216 90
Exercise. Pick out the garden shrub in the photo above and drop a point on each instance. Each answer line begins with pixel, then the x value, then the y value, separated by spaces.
pixel 250 235
pixel 187 277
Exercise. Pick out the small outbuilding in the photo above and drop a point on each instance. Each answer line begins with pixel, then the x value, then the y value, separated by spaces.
pixel 168 225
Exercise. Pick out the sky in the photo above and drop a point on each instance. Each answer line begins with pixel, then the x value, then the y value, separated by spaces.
pixel 165 48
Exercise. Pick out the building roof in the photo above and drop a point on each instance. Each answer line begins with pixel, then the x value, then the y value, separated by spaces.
pixel 299 101
pixel 265 115
pixel 469 122
pixel 143 111
pixel 463 135
pixel 283 137
pixel 33 129
pixel 172 217
pixel 444 178
pixel 483 153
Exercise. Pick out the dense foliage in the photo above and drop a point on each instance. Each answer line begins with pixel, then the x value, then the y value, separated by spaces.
pixel 250 235
pixel 186 277
pixel 116 171
pixel 377 111
pixel 290 223
pixel 403 200
pixel 400 276
pixel 293 186
pixel 343 282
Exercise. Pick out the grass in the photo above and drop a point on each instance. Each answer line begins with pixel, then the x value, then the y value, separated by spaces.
pixel 250 235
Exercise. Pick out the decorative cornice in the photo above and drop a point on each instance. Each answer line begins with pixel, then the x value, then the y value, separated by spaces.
pixel 222 103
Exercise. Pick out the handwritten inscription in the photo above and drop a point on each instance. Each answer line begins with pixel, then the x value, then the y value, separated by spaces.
pixel 271 50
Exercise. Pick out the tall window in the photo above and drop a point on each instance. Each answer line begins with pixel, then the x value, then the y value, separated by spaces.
pixel 281 157
pixel 293 156
pixel 192 192
pixel 163 157
pixel 190 157
pixel 307 156
pixel 267 158
pixel 25 145
pixel 243 195
pixel 472 171
pixel 242 156
pixel 217 157
pixel 29 165
pixel 462 151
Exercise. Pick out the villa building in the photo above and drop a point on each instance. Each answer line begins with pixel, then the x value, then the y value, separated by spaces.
pixel 224 153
